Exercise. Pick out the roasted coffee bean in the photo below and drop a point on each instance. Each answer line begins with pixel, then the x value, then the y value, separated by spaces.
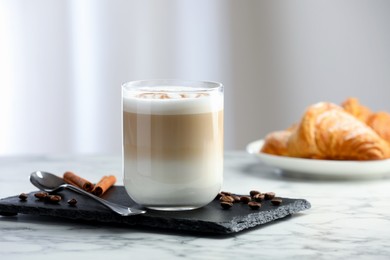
pixel 72 202
pixel 226 205
pixel 254 192
pixel 23 196
pixel 226 198
pixel 41 195
pixel 245 199
pixel 254 205
pixel 269 195
pixel 54 198
pixel 276 201
pixel 258 197
pixel 236 198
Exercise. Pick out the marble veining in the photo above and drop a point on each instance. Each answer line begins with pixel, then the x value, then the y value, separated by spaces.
pixel 348 219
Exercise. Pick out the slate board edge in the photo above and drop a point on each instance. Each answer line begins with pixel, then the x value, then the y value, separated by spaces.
pixel 255 219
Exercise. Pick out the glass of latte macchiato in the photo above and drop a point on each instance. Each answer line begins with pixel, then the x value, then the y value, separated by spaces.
pixel 172 142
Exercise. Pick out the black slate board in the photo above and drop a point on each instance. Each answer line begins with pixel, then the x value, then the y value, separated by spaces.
pixel 209 219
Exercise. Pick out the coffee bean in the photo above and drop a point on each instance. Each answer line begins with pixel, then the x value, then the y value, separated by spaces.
pixel 226 205
pixel 23 196
pixel 72 202
pixel 254 192
pixel 254 205
pixel 41 195
pixel 258 197
pixel 269 195
pixel 54 198
pixel 236 198
pixel 276 201
pixel 245 199
pixel 226 198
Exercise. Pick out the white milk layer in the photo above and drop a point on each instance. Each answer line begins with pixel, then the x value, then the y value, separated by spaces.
pixel 172 102
pixel 173 183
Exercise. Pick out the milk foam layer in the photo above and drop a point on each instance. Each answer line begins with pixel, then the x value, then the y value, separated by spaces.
pixel 172 101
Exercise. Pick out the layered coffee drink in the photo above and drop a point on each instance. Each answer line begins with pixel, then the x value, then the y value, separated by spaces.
pixel 173 144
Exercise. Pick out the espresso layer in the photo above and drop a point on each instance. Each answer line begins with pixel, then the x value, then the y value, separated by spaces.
pixel 172 137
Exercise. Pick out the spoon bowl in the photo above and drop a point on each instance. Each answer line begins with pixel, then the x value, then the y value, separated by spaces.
pixel 51 183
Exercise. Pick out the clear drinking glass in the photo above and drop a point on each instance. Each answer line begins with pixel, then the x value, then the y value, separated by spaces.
pixel 172 142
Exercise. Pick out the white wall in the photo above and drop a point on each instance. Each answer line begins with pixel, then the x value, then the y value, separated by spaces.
pixel 62 63
pixel 289 54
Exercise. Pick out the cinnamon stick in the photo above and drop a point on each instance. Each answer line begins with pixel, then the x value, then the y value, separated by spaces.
pixel 103 185
pixel 82 183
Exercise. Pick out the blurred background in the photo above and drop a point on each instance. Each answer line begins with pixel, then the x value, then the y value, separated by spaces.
pixel 62 63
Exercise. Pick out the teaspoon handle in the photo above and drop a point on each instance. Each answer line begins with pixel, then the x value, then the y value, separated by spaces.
pixel 121 210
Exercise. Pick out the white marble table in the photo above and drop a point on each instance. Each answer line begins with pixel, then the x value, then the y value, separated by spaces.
pixel 348 220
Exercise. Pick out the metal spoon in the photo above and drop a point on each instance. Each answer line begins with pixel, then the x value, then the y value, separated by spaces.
pixel 51 183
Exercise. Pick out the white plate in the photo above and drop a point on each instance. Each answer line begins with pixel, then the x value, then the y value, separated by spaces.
pixel 322 168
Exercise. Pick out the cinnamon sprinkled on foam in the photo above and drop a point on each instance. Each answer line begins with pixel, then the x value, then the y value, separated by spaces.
pixel 171 102
pixel 159 95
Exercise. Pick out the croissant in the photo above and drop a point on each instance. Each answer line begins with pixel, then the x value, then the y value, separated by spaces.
pixel 352 106
pixel 380 123
pixel 276 143
pixel 326 131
